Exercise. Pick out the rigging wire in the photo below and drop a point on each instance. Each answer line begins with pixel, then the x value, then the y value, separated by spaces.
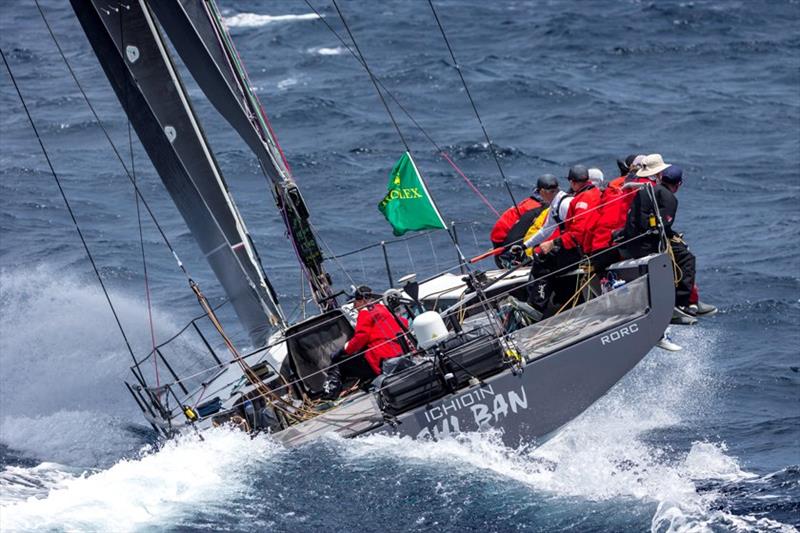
pixel 442 152
pixel 126 106
pixel 69 209
pixel 391 115
pixel 474 107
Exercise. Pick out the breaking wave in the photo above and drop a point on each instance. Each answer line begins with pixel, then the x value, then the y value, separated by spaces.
pixel 159 485
pixel 254 20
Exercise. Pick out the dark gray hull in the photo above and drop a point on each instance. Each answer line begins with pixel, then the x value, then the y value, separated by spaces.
pixel 588 352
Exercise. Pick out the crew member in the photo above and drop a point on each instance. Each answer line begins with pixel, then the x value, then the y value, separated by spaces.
pixel 641 216
pixel 686 290
pixel 559 205
pixel 630 165
pixel 508 219
pixel 530 222
pixel 378 336
pixel 563 248
pixel 642 219
pixel 597 178
pixel 610 216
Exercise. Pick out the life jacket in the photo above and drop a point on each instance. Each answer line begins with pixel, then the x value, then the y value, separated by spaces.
pixel 534 228
pixel 510 217
pixel 580 208
pixel 516 235
pixel 557 210
pixel 615 203
pixel 377 332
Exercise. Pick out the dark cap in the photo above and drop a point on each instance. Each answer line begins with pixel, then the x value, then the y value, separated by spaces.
pixel 362 293
pixel 672 174
pixel 547 182
pixel 578 173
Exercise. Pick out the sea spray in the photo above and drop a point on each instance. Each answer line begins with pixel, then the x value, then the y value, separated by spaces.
pixel 63 365
pixel 608 454
pixel 158 486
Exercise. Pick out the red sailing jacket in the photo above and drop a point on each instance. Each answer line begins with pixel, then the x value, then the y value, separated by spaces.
pixel 376 331
pixel 614 205
pixel 509 218
pixel 578 215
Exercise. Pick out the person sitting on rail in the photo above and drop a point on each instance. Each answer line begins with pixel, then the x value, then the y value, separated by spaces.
pixel 670 179
pixel 610 216
pixel 629 166
pixel 378 336
pixel 563 248
pixel 508 219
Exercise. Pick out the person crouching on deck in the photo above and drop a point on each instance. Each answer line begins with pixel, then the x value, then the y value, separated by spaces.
pixel 378 337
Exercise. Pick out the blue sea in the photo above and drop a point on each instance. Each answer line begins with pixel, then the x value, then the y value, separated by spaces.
pixel 705 439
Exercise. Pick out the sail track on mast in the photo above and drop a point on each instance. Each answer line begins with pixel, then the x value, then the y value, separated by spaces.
pixel 197 32
pixel 134 56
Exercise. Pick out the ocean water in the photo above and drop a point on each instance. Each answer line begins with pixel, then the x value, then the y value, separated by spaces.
pixel 706 439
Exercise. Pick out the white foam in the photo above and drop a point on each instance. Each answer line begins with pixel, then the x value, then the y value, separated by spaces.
pixel 254 20
pixel 18 483
pixel 288 82
pixel 184 474
pixel 82 438
pixel 604 454
pixel 323 51
pixel 707 460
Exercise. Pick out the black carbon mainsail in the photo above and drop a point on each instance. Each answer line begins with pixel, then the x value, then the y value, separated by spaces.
pixel 196 30
pixel 133 54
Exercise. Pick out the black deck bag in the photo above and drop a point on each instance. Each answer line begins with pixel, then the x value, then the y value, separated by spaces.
pixel 472 355
pixel 411 387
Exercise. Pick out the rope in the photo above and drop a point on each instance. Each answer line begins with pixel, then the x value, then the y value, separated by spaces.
pixel 576 296
pixel 222 29
pixel 472 186
pixel 69 208
pixel 677 272
pixel 474 107
pixel 264 392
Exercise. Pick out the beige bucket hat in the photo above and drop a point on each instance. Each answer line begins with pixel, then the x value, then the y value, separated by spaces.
pixel 652 165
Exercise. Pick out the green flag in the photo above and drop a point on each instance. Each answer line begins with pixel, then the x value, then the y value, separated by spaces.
pixel 408 206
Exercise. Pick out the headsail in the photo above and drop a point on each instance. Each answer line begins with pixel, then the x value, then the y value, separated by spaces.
pixel 198 34
pixel 135 59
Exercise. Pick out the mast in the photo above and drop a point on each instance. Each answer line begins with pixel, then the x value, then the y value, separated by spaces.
pixel 198 33
pixel 134 56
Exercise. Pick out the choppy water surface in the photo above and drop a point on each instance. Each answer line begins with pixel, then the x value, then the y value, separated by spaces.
pixel 704 439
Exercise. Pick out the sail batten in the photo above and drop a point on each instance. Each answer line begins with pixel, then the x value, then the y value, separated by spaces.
pixel 136 61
